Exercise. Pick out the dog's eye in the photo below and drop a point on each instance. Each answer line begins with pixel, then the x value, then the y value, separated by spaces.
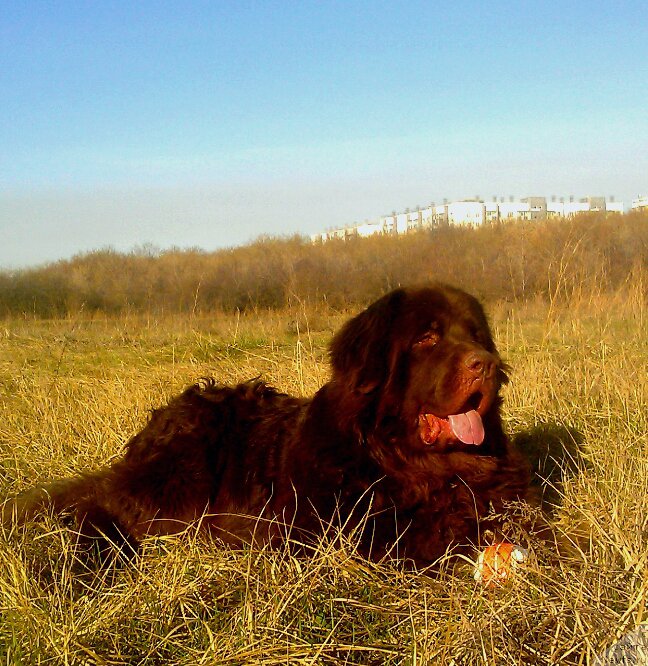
pixel 429 339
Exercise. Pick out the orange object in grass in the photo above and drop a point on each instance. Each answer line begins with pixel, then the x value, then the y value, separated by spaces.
pixel 497 563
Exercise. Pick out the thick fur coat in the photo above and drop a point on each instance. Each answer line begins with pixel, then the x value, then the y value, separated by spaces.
pixel 403 446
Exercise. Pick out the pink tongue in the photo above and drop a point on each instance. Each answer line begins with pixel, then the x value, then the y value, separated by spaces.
pixel 467 427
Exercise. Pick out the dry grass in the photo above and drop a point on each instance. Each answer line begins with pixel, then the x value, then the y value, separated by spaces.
pixel 74 390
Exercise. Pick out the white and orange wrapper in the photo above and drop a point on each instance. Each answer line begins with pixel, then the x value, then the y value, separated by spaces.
pixel 498 563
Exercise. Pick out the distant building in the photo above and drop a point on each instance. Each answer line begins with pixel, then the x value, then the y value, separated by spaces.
pixel 466 212
pixel 440 215
pixel 476 212
pixel 491 212
pixel 640 203
pixel 388 224
pixel 401 223
pixel 537 208
pixel 555 209
pixel 513 210
pixel 574 207
pixel 596 204
pixel 344 233
pixel 427 219
pixel 369 229
pixel 414 220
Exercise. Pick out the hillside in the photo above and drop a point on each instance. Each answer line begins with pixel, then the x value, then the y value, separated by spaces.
pixel 516 261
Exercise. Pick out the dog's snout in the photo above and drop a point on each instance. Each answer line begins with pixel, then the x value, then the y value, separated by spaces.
pixel 480 363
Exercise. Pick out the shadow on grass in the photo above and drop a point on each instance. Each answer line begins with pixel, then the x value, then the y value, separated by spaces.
pixel 554 454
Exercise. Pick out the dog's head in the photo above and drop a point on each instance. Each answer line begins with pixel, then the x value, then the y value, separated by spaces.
pixel 424 364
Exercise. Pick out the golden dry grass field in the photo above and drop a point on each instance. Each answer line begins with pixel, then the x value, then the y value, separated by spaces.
pixel 74 390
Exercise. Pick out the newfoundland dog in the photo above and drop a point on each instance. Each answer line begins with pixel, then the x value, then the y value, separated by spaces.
pixel 403 448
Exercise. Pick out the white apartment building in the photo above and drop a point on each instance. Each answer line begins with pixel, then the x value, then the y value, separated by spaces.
pixel 571 208
pixel 640 203
pixel 466 212
pixel 475 212
pixel 401 223
pixel 388 224
pixel 440 214
pixel 369 229
pixel 491 212
pixel 586 205
pixel 514 210
pixel 414 220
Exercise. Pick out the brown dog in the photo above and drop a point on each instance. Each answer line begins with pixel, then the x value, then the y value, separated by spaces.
pixel 404 446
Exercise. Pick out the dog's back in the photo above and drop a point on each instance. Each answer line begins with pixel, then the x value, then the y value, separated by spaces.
pixel 213 451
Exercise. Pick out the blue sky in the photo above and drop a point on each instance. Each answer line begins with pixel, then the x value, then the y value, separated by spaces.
pixel 210 123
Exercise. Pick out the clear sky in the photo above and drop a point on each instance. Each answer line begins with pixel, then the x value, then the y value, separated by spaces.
pixel 209 123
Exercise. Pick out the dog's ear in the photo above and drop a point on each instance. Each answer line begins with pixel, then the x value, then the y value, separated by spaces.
pixel 361 352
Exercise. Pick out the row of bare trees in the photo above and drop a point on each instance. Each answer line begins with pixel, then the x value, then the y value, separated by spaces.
pixel 515 261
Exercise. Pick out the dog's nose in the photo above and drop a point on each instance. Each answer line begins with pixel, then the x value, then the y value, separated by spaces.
pixel 480 363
